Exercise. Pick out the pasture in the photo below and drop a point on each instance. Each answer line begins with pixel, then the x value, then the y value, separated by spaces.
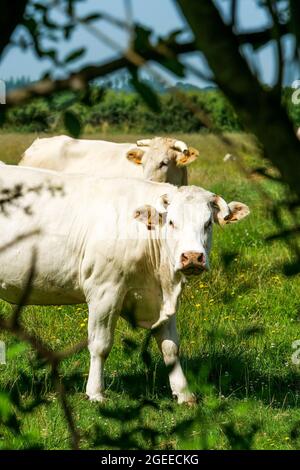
pixel 237 324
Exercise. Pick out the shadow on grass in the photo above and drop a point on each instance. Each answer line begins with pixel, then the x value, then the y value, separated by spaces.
pixel 231 375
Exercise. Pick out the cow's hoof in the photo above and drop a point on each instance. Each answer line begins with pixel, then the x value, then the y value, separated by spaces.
pixel 186 399
pixel 192 401
pixel 96 398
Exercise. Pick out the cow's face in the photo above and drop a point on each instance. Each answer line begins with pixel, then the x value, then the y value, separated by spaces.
pixel 162 159
pixel 186 225
pixel 188 234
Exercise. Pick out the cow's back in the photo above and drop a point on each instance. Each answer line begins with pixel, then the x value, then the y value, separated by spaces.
pixel 62 153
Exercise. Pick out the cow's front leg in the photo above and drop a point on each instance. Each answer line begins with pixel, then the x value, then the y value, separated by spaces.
pixel 168 342
pixel 101 326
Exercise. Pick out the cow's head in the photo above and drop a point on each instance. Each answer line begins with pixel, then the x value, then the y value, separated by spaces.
pixel 186 224
pixel 163 159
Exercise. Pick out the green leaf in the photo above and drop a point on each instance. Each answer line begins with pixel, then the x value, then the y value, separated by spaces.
pixel 31 25
pixel 173 65
pixel 92 17
pixel 40 6
pixel 50 53
pixel 47 22
pixel 68 30
pixel 171 38
pixel 169 60
pixel 72 123
pixel 70 7
pixel 75 55
pixel 148 95
pixel 142 39
pixel 46 75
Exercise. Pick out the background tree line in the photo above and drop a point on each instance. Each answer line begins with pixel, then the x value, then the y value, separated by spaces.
pixel 126 111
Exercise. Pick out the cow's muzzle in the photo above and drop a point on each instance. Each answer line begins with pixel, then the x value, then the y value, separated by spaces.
pixel 193 262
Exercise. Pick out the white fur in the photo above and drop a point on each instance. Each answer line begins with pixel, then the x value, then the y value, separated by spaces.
pixel 90 248
pixel 108 159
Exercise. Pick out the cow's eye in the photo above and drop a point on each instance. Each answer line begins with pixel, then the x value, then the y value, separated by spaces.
pixel 208 224
pixel 171 223
pixel 163 164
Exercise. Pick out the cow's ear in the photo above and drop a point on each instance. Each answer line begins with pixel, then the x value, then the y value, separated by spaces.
pixel 149 216
pixel 165 200
pixel 186 157
pixel 135 156
pixel 238 211
pixel 228 213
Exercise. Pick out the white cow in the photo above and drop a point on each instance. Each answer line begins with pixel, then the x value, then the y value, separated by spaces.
pixel 160 159
pixel 121 245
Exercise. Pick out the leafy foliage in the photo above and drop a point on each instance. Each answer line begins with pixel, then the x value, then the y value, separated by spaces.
pixel 100 109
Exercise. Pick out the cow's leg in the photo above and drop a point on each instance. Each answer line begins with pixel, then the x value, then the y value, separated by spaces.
pixel 168 342
pixel 103 316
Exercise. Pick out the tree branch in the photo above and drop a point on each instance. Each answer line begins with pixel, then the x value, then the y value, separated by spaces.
pixel 12 12
pixel 260 38
pixel 272 7
pixel 78 80
pixel 260 110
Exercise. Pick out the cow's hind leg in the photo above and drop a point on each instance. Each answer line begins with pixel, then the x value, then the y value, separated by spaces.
pixel 101 326
pixel 168 342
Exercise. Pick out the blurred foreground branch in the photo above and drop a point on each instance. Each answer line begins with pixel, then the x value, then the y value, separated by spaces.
pixel 12 12
pixel 14 326
pixel 79 80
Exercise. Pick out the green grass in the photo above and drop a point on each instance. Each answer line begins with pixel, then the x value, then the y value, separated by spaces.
pixel 237 324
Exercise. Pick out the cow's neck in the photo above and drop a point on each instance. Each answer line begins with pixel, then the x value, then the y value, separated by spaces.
pixel 170 283
pixel 161 264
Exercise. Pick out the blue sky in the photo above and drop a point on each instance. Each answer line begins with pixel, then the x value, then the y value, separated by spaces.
pixel 160 15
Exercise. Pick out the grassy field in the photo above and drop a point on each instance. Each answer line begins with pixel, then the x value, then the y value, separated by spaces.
pixel 237 324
